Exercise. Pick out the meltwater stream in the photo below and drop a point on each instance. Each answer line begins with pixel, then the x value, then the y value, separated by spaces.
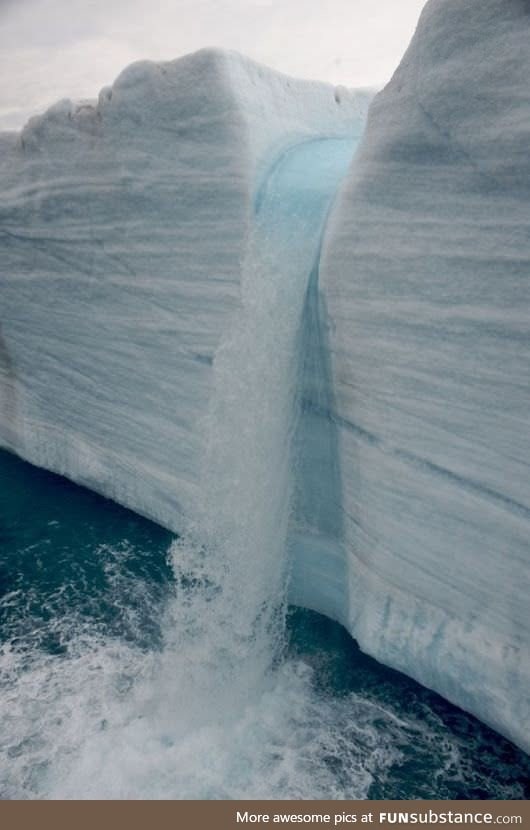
pixel 134 665
pixel 230 564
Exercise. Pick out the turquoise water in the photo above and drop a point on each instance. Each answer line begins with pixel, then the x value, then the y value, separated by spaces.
pixel 85 588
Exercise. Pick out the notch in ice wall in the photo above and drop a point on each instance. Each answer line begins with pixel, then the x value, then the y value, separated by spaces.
pixel 123 226
pixel 426 276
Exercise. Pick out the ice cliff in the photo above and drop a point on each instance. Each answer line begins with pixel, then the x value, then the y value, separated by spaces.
pixel 127 231
pixel 123 227
pixel 426 281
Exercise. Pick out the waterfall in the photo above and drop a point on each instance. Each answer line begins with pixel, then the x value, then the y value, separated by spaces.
pixel 231 566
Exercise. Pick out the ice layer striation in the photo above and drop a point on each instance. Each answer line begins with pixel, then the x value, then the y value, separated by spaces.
pixel 426 278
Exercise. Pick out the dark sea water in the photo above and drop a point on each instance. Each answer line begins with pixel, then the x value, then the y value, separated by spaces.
pixel 84 591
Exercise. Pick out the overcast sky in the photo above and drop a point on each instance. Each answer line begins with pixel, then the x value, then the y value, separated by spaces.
pixel 51 49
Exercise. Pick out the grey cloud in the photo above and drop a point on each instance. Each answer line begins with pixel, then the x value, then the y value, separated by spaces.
pixel 51 49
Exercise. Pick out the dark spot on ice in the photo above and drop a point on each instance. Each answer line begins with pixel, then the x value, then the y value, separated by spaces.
pixel 8 401
pixel 204 358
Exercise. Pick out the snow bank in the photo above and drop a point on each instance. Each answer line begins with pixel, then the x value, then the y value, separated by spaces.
pixel 426 279
pixel 123 226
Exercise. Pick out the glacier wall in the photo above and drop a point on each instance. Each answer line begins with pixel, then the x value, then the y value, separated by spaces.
pixel 426 280
pixel 128 266
pixel 124 224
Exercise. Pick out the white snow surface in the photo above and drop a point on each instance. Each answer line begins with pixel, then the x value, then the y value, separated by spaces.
pixel 124 224
pixel 425 276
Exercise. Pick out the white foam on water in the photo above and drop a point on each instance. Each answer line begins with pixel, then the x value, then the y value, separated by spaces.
pixel 92 726
pixel 109 718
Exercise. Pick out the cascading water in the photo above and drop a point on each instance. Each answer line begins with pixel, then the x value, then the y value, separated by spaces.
pixel 226 626
pixel 232 567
